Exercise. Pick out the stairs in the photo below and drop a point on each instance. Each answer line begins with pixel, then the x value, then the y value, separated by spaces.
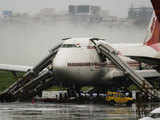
pixel 33 82
pixel 111 54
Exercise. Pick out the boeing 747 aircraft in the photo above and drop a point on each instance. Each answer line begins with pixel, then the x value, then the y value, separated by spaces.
pixel 79 62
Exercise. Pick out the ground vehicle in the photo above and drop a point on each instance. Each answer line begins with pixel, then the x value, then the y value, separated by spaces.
pixel 154 115
pixel 118 98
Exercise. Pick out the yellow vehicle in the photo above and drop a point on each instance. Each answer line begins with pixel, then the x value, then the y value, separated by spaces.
pixel 118 98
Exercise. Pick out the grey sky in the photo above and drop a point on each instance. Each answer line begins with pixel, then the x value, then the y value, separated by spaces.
pixel 116 7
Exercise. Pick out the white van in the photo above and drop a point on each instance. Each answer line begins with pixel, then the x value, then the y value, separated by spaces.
pixel 153 115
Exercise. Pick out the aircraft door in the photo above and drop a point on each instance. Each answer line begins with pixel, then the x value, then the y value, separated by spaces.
pixel 94 58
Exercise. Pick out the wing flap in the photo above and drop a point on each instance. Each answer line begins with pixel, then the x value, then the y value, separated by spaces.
pixel 148 73
pixel 16 68
pixel 146 60
pixel 144 73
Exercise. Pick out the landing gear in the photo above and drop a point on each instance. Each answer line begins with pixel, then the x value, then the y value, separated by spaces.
pixel 69 96
pixel 72 93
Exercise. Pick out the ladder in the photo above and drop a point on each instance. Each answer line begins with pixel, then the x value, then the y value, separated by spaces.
pixel 111 54
pixel 33 81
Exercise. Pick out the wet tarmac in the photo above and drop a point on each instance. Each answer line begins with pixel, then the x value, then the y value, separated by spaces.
pixel 43 111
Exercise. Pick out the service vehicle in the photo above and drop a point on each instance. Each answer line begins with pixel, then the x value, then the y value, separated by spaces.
pixel 118 98
pixel 153 115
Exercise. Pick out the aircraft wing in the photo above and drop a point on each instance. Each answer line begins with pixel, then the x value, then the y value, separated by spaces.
pixel 143 73
pixel 156 7
pixel 16 68
pixel 147 60
pixel 148 73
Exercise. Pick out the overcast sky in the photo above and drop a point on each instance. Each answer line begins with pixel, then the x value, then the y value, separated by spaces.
pixel 115 7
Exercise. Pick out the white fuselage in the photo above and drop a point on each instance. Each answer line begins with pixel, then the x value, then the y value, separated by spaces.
pixel 77 61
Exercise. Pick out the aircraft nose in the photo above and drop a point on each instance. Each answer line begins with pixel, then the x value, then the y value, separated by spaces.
pixel 60 62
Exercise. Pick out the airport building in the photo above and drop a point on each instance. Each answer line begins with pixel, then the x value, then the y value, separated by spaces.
pixel 6 13
pixel 85 12
pixel 140 15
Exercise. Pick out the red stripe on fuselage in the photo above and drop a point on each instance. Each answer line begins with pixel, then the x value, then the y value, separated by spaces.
pixel 98 64
pixel 86 64
pixel 91 47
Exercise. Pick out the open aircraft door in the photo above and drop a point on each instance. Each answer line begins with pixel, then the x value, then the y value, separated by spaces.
pixel 94 57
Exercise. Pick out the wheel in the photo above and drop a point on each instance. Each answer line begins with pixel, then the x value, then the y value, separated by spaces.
pixel 112 102
pixel 129 103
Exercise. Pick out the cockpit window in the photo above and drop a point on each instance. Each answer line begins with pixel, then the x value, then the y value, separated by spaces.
pixel 70 46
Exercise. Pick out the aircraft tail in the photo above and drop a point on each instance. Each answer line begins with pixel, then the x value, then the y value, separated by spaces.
pixel 153 36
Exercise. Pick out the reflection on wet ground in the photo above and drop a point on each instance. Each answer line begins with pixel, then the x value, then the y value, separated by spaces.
pixel 41 111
